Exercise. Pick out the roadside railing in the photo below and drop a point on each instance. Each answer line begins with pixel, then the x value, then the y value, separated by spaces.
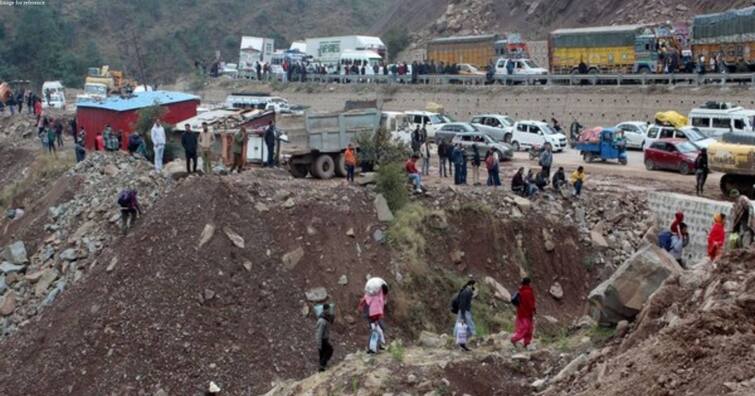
pixel 746 79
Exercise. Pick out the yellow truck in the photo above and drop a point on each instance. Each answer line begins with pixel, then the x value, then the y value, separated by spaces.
pixel 114 80
pixel 729 34
pixel 734 156
pixel 621 49
pixel 479 51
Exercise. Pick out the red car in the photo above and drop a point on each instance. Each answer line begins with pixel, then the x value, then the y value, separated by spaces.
pixel 672 154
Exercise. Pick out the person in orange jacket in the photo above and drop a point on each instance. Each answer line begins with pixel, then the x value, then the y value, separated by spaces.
pixel 350 160
pixel 716 236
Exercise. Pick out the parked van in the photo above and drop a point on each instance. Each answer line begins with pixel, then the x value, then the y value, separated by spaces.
pixel 714 119
pixel 431 121
pixel 53 95
pixel 529 134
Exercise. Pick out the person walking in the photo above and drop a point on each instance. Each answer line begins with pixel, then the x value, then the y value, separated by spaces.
pixel 50 134
pixel 111 141
pixel 716 237
pixel 322 336
pixel 546 159
pixel 372 306
pixel 524 326
pixel 465 296
pixel 239 139
pixel 424 153
pixel 701 171
pixel 129 204
pixel 206 139
pixel 30 102
pixel 476 162
pixel 270 137
pixel 442 158
pixel 189 143
pixel 578 180
pixel 350 161
pixel 158 144
pixel 80 145
pixel 59 127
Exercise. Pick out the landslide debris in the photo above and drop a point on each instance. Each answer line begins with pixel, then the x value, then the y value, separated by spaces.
pixel 696 335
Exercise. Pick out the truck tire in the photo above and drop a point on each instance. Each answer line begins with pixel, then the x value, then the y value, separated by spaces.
pixel 299 171
pixel 340 163
pixel 323 167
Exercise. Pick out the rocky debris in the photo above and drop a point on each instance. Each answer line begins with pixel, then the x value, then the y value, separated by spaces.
pixel 247 265
pixel 381 207
pixel 570 368
pixel 430 340
pixel 597 239
pixel 290 203
pixel 350 233
pixel 75 230
pixel 499 291
pixel 343 280
pixel 8 304
pixel 317 294
pixel 457 256
pixel 213 388
pixel 235 238
pixel 292 258
pixel 622 327
pixel 623 294
pixel 556 291
pixel 683 340
pixel 15 253
pixel 207 232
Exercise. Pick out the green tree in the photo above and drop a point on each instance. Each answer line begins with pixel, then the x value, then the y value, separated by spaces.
pixel 396 40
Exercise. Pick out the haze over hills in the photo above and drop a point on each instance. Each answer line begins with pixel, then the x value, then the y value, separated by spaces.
pixel 61 39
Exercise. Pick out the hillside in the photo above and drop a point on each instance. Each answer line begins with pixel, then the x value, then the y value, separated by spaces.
pixel 159 40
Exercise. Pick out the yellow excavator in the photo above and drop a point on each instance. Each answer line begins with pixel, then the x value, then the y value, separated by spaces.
pixel 734 156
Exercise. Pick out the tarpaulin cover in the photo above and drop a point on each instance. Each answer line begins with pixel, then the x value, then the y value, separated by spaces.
pixel 591 135
pixel 434 107
pixel 729 23
pixel 670 118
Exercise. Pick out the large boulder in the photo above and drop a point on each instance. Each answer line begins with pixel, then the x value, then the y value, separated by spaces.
pixel 16 253
pixel 622 296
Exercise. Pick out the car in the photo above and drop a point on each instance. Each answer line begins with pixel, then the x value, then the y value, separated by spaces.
pixel 469 70
pixel 450 129
pixel 530 134
pixel 503 123
pixel 634 133
pixel 521 66
pixel 483 142
pixel 671 154
pixel 693 134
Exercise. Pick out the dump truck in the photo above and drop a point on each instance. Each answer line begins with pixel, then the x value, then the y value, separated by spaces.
pixel 730 34
pixel 621 49
pixel 328 135
pixel 734 156
pixel 479 51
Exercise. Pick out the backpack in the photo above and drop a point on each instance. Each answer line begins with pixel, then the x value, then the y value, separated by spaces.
pixel 664 240
pixel 490 162
pixel 124 198
pixel 515 299
pixel 455 303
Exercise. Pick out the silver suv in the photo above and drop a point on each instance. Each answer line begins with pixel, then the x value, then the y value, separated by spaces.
pixel 483 142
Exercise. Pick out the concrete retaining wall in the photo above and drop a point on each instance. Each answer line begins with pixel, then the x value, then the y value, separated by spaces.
pixel 698 214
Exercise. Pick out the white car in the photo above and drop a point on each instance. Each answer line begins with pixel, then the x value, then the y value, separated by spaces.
pixel 53 95
pixel 500 126
pixel 529 134
pixel 693 134
pixel 634 133
pixel 521 66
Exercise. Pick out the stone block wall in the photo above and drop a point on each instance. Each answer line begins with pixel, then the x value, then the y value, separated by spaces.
pixel 698 214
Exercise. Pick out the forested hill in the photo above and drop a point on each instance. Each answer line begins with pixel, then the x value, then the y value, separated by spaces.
pixel 60 39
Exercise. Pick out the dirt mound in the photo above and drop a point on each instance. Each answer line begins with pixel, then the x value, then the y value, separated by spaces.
pixel 695 336
pixel 233 309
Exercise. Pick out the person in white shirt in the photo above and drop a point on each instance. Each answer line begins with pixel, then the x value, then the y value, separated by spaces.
pixel 158 144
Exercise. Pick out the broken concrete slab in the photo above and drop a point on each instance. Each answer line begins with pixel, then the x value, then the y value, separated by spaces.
pixel 292 258
pixel 383 211
pixel 499 291
pixel 317 294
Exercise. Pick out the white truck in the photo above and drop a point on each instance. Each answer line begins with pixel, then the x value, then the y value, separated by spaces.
pixel 253 50
pixel 328 50
pixel 328 135
pixel 256 100
pixel 53 95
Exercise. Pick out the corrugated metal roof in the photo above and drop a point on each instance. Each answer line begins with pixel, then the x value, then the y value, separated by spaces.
pixel 138 100
pixel 599 29
pixel 460 39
